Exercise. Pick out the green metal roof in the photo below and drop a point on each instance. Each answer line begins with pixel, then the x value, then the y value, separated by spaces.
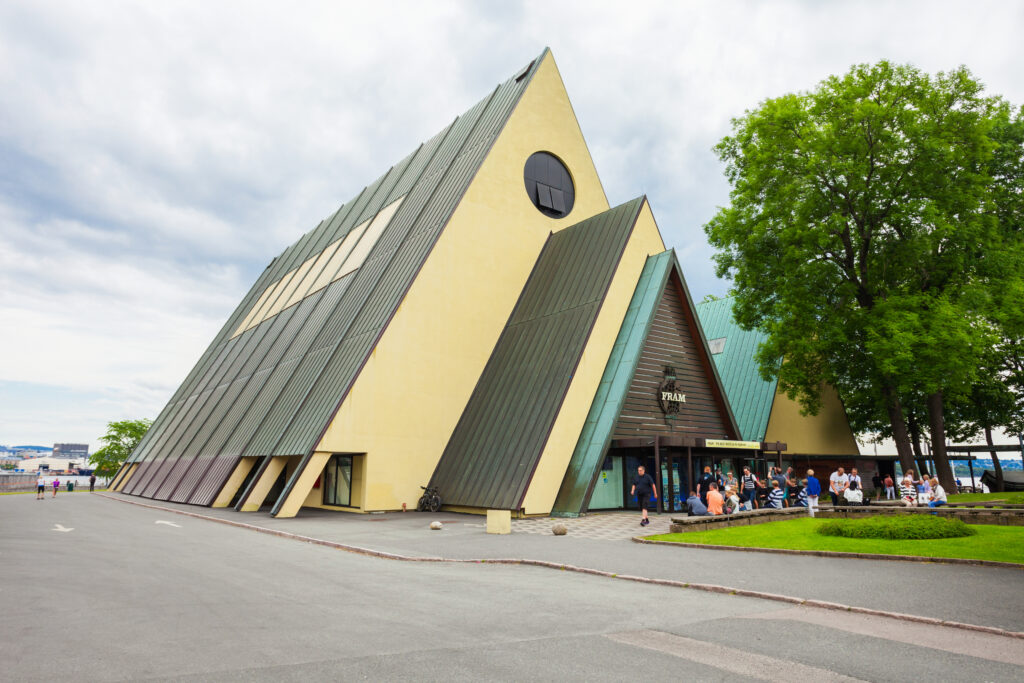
pixel 273 389
pixel 611 393
pixel 497 444
pixel 749 396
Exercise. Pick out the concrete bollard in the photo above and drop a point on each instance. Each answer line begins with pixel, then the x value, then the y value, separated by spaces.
pixel 499 521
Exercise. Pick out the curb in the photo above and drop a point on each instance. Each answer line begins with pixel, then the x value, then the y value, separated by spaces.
pixel 707 587
pixel 836 553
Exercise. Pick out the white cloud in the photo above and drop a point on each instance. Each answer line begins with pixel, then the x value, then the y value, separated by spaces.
pixel 155 156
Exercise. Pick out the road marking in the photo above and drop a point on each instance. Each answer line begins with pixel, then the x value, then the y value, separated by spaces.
pixel 176 526
pixel 739 662
pixel 988 646
pixel 61 527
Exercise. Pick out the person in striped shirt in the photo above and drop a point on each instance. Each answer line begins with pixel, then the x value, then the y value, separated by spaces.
pixel 775 496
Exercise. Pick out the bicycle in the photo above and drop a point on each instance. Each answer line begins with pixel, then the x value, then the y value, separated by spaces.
pixel 430 500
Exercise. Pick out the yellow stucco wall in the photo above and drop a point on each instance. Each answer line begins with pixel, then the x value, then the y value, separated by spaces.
pixel 234 482
pixel 644 241
pixel 126 476
pixel 827 433
pixel 405 403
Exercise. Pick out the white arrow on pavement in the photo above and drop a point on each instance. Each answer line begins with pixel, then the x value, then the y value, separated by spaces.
pixel 61 527
pixel 176 526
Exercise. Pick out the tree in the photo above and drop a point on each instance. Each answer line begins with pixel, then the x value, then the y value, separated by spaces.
pixel 863 238
pixel 120 440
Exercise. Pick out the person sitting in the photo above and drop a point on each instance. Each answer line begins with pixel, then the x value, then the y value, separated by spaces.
pixel 938 494
pixel 801 494
pixel 853 495
pixel 908 491
pixel 715 500
pixel 775 496
pixel 732 501
pixel 694 507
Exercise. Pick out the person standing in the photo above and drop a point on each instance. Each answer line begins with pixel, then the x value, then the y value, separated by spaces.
pixel 890 487
pixel 791 484
pixel 704 484
pixel 876 481
pixel 56 485
pixel 92 482
pixel 813 489
pixel 41 488
pixel 854 477
pixel 644 489
pixel 749 483
pixel 837 483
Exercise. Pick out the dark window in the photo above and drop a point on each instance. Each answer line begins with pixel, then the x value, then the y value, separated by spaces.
pixel 549 185
pixel 338 481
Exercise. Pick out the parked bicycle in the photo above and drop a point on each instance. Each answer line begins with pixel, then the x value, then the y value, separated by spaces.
pixel 430 500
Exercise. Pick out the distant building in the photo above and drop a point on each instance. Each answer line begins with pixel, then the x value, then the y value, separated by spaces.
pixel 71 450
pixel 50 463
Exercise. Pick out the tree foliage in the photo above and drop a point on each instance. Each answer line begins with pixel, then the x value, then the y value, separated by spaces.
pixel 872 224
pixel 120 440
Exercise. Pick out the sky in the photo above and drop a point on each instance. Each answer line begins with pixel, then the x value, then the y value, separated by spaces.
pixel 154 157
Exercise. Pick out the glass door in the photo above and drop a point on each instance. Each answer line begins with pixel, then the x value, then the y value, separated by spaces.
pixel 338 481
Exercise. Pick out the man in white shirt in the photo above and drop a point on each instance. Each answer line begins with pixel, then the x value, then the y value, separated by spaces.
pixel 837 484
pixel 937 495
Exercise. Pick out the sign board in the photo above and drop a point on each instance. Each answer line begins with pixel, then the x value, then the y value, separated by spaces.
pixel 723 443
pixel 670 395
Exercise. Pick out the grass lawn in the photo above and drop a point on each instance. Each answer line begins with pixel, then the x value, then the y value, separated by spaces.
pixel 996 543
pixel 1016 497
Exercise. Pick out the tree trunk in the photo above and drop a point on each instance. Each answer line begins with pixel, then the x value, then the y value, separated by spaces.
pixel 996 465
pixel 899 427
pixel 938 429
pixel 915 441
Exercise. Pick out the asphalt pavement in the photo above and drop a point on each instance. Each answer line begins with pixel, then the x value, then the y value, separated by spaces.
pixel 95 589
pixel 987 596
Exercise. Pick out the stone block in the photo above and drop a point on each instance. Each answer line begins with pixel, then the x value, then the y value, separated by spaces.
pixel 499 521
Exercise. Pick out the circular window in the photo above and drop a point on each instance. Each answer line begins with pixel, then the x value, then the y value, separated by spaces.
pixel 549 185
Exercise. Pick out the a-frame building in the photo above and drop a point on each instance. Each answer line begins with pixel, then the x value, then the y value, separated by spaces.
pixel 455 322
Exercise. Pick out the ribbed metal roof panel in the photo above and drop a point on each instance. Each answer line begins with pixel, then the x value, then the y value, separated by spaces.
pixel 501 434
pixel 274 387
pixel 749 396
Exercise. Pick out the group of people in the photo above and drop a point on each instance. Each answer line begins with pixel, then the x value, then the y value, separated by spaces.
pixel 919 491
pixel 718 494
pixel 41 485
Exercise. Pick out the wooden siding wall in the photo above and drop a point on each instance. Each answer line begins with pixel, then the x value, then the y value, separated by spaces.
pixel 671 342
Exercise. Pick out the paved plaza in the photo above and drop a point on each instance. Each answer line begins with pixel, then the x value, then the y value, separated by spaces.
pixel 97 589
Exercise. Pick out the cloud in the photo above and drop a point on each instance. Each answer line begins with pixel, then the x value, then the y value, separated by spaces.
pixel 155 156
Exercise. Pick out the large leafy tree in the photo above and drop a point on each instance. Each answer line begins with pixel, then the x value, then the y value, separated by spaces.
pixel 863 237
pixel 120 440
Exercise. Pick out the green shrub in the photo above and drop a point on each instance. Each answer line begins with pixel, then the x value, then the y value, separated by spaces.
pixel 897 527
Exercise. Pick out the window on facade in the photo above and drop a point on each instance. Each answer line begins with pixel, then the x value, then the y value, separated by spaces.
pixel 549 185
pixel 717 346
pixel 338 481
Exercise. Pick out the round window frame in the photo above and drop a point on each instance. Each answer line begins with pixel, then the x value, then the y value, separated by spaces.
pixel 530 183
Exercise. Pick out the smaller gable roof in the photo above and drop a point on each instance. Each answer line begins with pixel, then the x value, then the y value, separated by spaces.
pixel 492 454
pixel 749 396
pixel 618 376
